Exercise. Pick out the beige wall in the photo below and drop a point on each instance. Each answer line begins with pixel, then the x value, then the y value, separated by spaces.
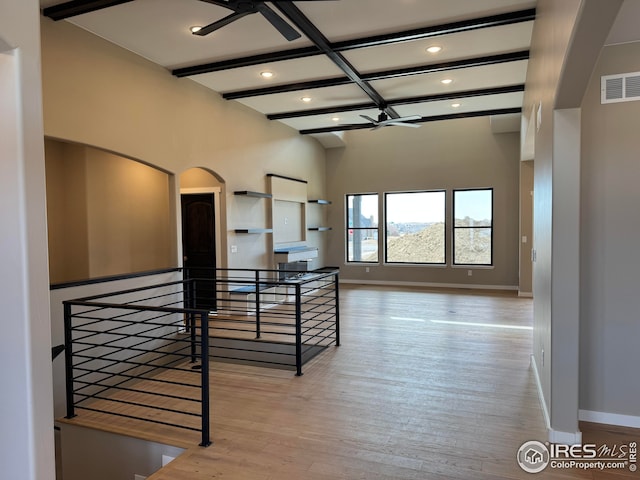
pixel 107 214
pixel 98 94
pixel 440 155
pixel 609 328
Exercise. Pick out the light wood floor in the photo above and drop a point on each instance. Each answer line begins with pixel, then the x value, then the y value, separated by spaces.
pixel 426 385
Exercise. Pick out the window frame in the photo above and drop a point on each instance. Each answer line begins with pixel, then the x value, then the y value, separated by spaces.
pixel 444 234
pixel 348 228
pixel 454 227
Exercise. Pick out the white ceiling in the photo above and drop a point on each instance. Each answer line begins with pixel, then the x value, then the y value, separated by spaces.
pixel 159 31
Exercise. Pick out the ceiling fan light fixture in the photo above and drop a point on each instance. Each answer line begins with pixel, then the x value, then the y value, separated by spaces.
pixel 434 49
pixel 195 28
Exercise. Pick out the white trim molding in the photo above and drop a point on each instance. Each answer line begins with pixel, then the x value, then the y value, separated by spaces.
pixel 555 436
pixel 543 404
pixel 565 438
pixel 391 283
pixel 609 418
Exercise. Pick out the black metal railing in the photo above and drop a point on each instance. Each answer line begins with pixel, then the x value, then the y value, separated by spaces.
pixel 143 353
pixel 300 309
pixel 139 354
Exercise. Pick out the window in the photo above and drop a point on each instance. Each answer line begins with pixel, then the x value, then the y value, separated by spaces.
pixel 473 227
pixel 415 227
pixel 362 228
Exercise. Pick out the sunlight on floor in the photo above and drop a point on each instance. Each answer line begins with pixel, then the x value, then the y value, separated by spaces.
pixel 466 324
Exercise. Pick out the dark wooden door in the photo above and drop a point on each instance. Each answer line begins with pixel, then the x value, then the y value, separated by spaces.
pixel 199 246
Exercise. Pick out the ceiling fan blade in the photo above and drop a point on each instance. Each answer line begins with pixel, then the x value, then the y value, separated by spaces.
pixel 405 119
pixel 220 23
pixel 402 124
pixel 366 117
pixel 278 22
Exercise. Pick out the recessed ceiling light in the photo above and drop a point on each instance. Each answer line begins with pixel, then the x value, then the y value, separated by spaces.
pixel 336 119
pixel 266 74
pixel 306 99
pixel 195 28
pixel 446 81
pixel 434 49
pixel 456 105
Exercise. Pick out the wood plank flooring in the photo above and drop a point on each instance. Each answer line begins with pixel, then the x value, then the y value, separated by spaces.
pixel 426 385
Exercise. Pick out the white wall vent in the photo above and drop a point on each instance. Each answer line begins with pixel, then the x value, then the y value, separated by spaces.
pixel 623 87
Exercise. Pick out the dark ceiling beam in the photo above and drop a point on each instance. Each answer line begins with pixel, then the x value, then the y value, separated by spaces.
pixel 246 61
pixel 305 25
pixel 435 118
pixel 78 7
pixel 399 101
pixel 433 31
pixel 438 30
pixel 448 66
pixel 398 72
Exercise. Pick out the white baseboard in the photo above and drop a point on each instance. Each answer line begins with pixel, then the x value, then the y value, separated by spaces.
pixel 565 438
pixel 525 294
pixel 609 418
pixel 391 283
pixel 543 404
pixel 555 436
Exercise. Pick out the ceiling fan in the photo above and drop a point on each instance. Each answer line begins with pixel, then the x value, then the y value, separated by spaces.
pixel 242 8
pixel 384 121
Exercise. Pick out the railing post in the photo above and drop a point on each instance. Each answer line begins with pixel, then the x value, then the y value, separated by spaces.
pixel 204 362
pixel 298 330
pixel 192 331
pixel 68 360
pixel 257 280
pixel 337 303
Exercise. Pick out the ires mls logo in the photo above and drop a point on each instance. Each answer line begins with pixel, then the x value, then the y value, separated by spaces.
pixel 534 456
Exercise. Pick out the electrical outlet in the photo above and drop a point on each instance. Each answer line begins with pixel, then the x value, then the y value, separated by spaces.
pixel 366 269
pixel 234 249
pixel 469 273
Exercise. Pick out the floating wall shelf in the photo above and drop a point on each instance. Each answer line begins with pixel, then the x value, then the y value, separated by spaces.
pixel 248 193
pixel 253 230
pixel 321 202
pixel 319 229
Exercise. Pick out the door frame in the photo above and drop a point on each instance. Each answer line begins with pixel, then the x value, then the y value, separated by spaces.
pixel 216 191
